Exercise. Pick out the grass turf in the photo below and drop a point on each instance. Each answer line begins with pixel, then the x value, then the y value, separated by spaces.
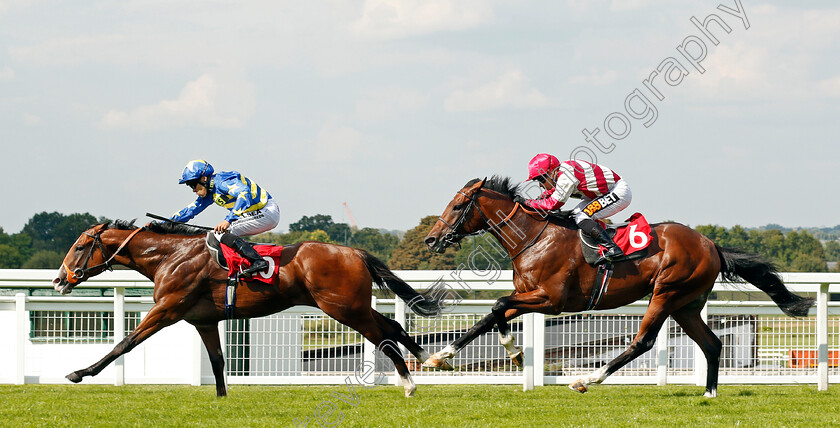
pixel 434 405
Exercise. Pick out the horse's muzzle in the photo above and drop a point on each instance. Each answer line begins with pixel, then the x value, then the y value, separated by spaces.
pixel 435 245
pixel 60 283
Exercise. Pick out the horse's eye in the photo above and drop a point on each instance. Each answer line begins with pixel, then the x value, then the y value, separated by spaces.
pixel 458 207
pixel 80 248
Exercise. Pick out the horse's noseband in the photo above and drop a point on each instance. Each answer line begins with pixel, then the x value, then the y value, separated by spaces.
pixel 452 237
pixel 80 273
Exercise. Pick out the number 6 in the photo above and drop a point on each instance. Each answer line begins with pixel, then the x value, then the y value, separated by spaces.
pixel 642 238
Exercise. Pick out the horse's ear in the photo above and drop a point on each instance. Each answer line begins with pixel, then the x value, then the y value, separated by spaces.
pixel 482 183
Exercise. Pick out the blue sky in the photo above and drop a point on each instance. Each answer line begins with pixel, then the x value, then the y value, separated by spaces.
pixel 392 105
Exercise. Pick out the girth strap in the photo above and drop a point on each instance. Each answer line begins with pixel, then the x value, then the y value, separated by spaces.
pixel 602 282
pixel 230 295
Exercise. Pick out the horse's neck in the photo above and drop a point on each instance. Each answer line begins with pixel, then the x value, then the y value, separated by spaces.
pixel 536 234
pixel 515 230
pixel 146 251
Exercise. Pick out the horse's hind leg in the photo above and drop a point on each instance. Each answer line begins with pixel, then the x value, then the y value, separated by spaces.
pixel 376 331
pixel 394 331
pixel 210 336
pixel 654 317
pixel 689 319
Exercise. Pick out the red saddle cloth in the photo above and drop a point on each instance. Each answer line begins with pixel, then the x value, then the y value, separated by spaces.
pixel 271 254
pixel 633 236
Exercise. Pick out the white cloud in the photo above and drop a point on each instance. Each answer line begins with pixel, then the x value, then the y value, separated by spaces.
pixel 337 143
pixel 400 18
pixel 510 90
pixel 6 5
pixel 31 119
pixel 830 87
pixel 778 57
pixel 387 103
pixel 595 79
pixel 7 73
pixel 622 5
pixel 214 100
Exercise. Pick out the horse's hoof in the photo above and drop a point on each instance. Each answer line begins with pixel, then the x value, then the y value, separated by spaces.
pixel 74 377
pixel 518 359
pixel 578 386
pixel 435 362
pixel 409 392
pixel 446 366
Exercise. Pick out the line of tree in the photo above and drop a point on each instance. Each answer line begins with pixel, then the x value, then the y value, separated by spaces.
pixel 43 241
pixel 46 237
pixel 794 251
pixel 321 228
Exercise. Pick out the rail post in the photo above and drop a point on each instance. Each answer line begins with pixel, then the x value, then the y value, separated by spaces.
pixel 539 349
pixel 197 358
pixel 822 338
pixel 20 339
pixel 699 359
pixel 528 345
pixel 662 355
pixel 399 317
pixel 119 334
pixel 369 348
pixel 222 326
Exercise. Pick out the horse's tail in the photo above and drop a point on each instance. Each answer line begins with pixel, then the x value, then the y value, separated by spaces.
pixel 421 304
pixel 761 273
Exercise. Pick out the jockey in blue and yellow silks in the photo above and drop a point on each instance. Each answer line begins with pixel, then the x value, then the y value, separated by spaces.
pixel 251 209
pixel 232 191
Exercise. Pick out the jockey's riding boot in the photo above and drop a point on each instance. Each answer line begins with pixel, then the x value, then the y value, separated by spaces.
pixel 258 264
pixel 613 251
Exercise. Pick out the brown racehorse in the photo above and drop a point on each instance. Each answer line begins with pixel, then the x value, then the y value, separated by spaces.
pixel 190 286
pixel 551 276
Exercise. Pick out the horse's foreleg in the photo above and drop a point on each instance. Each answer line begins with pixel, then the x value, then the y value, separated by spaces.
pixel 210 336
pixel 155 320
pixel 692 324
pixel 512 306
pixel 439 359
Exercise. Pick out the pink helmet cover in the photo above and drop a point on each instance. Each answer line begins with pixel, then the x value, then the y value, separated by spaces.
pixel 541 164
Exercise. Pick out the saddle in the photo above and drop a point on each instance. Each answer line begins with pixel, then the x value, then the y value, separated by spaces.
pixel 215 249
pixel 228 259
pixel 592 251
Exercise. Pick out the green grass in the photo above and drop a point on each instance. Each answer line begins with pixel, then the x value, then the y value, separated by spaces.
pixel 434 405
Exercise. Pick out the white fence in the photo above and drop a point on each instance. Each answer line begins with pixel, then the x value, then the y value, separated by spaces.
pixel 46 337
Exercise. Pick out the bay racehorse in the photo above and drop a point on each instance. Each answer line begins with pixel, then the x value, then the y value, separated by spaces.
pixel 551 276
pixel 190 286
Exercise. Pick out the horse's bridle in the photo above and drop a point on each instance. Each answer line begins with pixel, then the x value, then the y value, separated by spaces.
pixel 76 275
pixel 452 237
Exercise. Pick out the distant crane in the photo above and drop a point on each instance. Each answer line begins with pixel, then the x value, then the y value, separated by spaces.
pixel 349 214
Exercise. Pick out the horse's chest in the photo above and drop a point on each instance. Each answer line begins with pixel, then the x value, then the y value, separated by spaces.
pixel 524 283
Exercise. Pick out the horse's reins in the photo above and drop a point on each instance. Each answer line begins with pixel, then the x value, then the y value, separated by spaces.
pixel 454 237
pixel 79 273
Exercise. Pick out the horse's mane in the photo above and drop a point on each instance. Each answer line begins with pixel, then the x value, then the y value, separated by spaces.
pixel 121 225
pixel 174 228
pixel 499 184
pixel 165 228
pixel 504 186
